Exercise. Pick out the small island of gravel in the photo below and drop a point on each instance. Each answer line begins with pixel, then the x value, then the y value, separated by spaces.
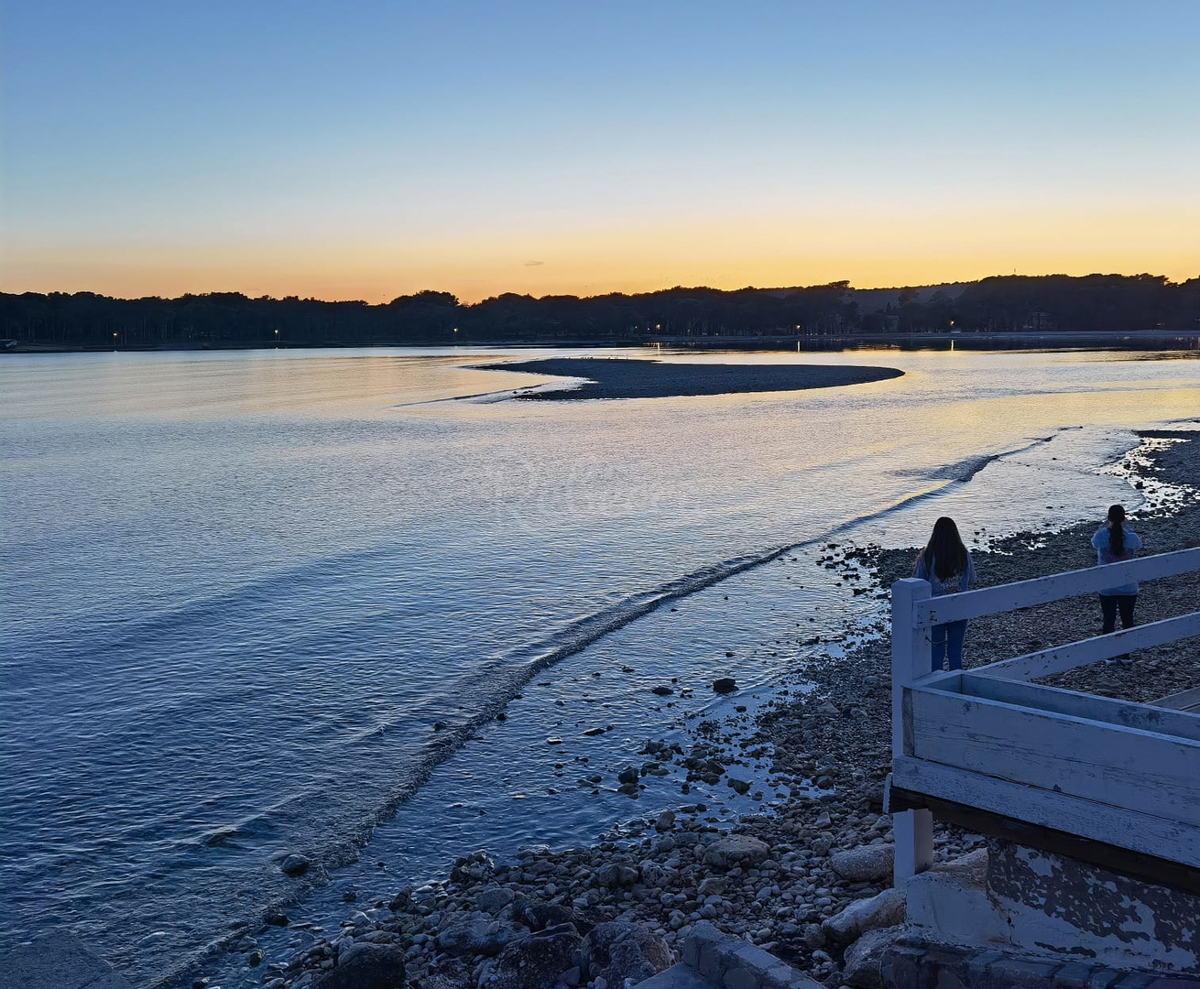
pixel 621 378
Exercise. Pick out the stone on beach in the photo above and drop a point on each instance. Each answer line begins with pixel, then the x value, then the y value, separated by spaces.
pixel 536 960
pixel 365 966
pixel 617 951
pixel 861 962
pixel 736 849
pixel 885 909
pixel 295 864
pixel 477 934
pixel 493 899
pixel 539 916
pixel 615 874
pixel 870 863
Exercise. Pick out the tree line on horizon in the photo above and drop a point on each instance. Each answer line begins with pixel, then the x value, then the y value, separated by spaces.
pixel 1000 304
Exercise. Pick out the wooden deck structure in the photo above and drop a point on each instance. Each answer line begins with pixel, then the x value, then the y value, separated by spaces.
pixel 1106 781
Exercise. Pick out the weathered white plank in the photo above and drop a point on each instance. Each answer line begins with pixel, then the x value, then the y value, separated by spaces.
pixel 1185 700
pixel 1147 717
pixel 943 680
pixel 911 648
pixel 1067 657
pixel 911 659
pixel 1041 590
pixel 1119 826
pixel 1123 767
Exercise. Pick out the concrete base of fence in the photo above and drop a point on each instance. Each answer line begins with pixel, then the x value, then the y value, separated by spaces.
pixel 1059 904
pixel 951 901
pixel 1016 898
pixel 713 960
pixel 56 961
pixel 914 964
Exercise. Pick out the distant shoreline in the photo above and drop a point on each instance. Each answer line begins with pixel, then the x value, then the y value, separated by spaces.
pixel 623 378
pixel 1183 341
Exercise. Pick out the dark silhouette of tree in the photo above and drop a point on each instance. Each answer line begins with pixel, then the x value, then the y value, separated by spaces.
pixel 1001 305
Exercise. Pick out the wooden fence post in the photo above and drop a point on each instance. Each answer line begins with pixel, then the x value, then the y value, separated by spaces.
pixel 911 659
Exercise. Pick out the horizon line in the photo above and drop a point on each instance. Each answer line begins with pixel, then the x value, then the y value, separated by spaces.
pixel 555 295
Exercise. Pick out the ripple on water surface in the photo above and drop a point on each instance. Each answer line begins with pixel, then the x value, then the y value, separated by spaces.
pixel 249 590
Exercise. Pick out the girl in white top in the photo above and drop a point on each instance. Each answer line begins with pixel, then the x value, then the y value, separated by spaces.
pixel 1114 543
pixel 946 563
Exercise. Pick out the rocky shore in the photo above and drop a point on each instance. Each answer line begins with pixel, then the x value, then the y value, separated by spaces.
pixel 792 879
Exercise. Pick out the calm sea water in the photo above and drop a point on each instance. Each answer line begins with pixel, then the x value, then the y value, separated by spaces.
pixel 241 589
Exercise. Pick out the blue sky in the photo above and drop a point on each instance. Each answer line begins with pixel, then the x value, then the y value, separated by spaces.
pixel 364 150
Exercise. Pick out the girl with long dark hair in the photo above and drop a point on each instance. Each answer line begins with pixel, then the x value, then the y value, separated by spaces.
pixel 947 565
pixel 1114 543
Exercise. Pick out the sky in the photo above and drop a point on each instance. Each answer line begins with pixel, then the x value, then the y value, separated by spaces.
pixel 371 149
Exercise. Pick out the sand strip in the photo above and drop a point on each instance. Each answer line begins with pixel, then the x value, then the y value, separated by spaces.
pixel 620 378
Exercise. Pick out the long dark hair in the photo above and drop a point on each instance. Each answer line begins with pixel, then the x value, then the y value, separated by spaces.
pixel 1116 532
pixel 945 553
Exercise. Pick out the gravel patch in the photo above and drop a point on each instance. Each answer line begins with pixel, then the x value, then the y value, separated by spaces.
pixel 619 378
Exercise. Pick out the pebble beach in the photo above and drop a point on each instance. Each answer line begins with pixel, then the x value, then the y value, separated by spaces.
pixel 782 878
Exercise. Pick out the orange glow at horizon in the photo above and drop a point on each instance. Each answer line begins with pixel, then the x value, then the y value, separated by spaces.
pixel 869 250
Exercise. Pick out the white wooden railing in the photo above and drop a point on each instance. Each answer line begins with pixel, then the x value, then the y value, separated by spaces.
pixel 1110 771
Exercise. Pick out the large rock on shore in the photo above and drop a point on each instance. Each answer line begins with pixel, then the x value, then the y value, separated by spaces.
pixel 449 980
pixel 539 916
pixel 614 874
pixel 295 864
pixel 883 910
pixel 365 966
pixel 736 849
pixel 615 952
pixel 493 899
pixel 866 864
pixel 477 934
pixel 535 961
pixel 862 960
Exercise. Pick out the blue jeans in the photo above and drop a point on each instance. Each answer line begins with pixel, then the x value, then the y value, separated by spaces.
pixel 1108 608
pixel 948 640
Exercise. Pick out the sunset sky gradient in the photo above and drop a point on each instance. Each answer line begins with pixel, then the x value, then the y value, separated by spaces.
pixel 371 149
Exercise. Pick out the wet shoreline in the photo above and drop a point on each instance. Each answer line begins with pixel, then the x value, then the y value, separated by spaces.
pixel 829 749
